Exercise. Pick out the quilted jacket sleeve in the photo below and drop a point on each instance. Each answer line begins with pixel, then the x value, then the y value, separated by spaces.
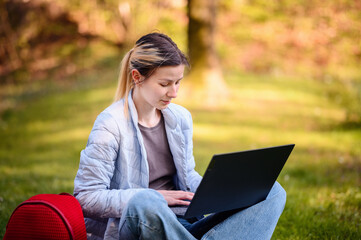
pixel 96 169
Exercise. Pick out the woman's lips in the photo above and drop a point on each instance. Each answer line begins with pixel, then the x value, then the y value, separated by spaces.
pixel 166 102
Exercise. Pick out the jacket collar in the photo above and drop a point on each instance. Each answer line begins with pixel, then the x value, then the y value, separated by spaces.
pixel 169 116
pixel 132 110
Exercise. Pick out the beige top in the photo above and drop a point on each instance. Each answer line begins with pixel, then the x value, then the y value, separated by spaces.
pixel 160 159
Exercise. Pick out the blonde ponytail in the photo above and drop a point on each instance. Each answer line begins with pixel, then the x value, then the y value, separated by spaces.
pixel 125 82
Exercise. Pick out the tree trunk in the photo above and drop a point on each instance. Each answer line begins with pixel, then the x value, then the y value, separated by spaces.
pixel 206 71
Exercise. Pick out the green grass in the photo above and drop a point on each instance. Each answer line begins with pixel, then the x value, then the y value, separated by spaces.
pixel 43 130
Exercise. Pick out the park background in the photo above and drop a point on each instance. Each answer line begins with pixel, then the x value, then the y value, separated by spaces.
pixel 263 73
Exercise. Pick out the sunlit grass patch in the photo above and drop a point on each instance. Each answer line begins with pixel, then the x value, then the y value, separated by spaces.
pixel 310 216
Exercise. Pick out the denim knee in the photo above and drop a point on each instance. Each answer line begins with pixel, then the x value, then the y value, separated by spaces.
pixel 278 193
pixel 147 213
pixel 147 216
pixel 147 201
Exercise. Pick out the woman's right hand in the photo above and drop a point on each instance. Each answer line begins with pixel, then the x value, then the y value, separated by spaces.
pixel 175 197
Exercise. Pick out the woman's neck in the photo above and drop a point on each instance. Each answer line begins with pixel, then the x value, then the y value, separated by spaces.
pixel 148 116
pixel 150 119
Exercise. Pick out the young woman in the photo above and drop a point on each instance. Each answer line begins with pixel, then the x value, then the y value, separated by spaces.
pixel 139 160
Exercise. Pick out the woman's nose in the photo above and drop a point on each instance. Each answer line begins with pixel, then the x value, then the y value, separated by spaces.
pixel 172 92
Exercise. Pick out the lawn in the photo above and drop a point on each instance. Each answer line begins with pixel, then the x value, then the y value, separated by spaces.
pixel 43 130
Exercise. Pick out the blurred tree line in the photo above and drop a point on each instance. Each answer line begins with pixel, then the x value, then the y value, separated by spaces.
pixel 39 35
pixel 314 39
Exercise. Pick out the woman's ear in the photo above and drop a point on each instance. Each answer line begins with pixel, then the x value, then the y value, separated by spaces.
pixel 137 77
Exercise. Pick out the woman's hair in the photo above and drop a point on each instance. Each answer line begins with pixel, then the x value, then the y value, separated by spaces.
pixel 150 52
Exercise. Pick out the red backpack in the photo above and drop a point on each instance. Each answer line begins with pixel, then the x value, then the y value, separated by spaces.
pixel 47 216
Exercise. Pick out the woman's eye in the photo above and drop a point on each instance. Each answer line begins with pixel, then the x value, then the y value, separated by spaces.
pixel 164 84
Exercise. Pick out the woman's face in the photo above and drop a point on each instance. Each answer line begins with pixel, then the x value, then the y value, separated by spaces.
pixel 161 87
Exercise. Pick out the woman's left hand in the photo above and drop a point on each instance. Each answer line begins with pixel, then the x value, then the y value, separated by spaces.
pixel 177 197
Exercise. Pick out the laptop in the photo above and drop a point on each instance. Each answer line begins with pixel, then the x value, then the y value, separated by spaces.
pixel 236 180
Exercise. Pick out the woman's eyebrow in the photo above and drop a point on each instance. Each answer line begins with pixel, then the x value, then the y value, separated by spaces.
pixel 170 80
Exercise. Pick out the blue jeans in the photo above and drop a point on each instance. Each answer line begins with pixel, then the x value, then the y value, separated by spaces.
pixel 148 216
